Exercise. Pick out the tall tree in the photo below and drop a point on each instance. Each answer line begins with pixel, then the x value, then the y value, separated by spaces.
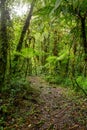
pixel 4 42
pixel 23 32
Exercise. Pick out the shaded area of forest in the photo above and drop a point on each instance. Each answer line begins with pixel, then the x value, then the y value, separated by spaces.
pixel 49 40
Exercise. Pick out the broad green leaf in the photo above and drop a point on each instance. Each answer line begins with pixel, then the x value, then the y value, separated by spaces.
pixel 57 4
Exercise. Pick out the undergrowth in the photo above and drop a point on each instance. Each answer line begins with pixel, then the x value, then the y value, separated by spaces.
pixel 64 81
pixel 68 82
pixel 18 93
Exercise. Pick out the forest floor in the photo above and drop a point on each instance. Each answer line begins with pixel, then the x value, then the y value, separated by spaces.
pixel 54 108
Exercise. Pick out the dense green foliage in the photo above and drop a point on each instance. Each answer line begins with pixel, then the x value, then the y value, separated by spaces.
pixel 53 44
pixel 50 39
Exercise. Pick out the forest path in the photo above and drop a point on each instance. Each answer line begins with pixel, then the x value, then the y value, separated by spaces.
pixel 57 110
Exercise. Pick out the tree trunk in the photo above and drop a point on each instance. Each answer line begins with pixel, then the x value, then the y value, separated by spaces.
pixel 83 30
pixel 23 33
pixel 4 43
pixel 55 44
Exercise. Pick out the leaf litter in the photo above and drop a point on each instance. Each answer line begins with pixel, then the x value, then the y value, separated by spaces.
pixel 52 109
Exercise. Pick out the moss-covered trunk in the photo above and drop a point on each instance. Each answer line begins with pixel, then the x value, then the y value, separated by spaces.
pixel 23 33
pixel 3 43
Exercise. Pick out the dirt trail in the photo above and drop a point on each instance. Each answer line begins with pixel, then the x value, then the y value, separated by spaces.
pixel 56 111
